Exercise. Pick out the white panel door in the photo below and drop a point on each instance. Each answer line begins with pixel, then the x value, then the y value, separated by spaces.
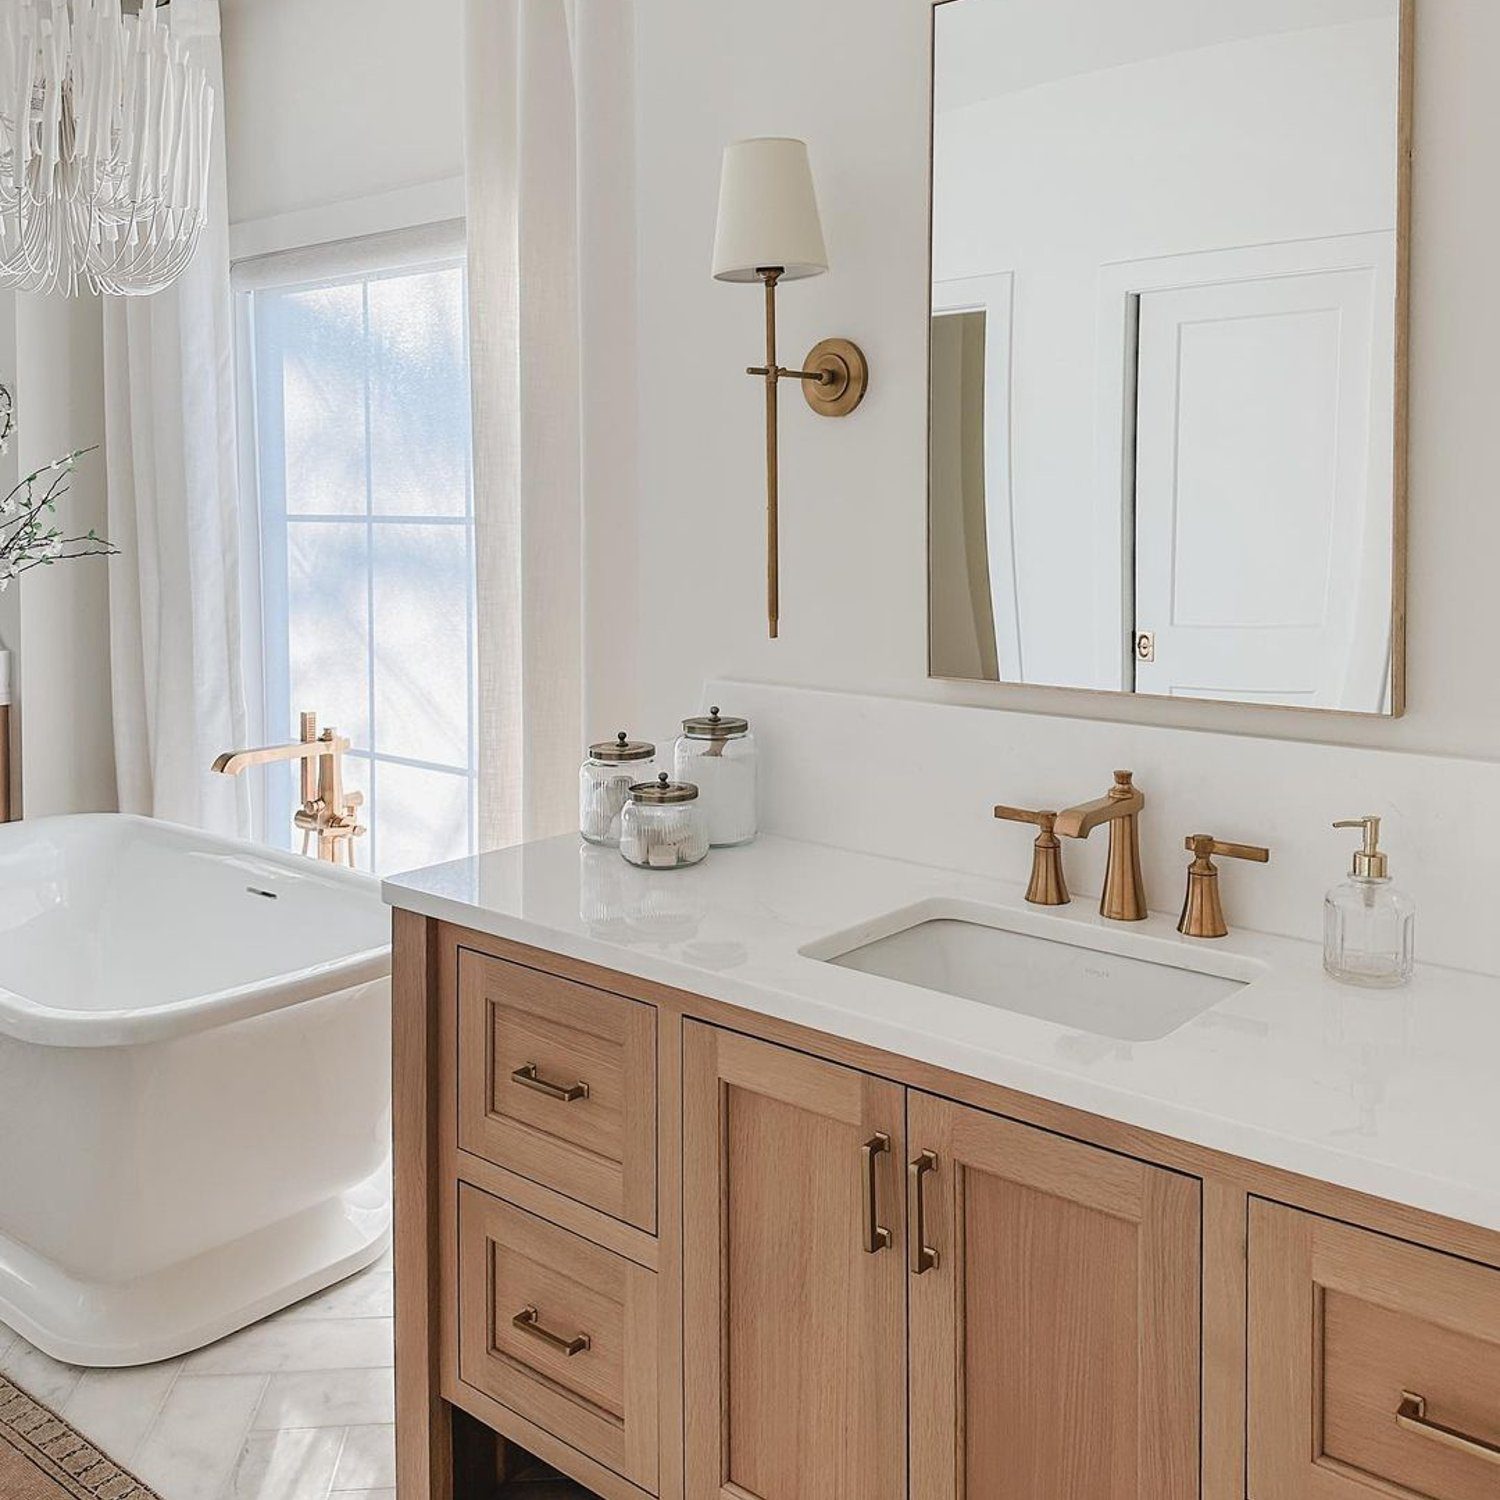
pixel 1263 496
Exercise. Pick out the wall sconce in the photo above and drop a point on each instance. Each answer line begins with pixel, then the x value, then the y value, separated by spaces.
pixel 769 231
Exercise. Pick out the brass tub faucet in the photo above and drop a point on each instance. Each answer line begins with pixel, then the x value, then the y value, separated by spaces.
pixel 328 812
pixel 1124 897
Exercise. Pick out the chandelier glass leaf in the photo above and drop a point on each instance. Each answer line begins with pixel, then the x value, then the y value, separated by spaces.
pixel 106 126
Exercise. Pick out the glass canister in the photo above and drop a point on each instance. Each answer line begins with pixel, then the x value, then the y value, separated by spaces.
pixel 662 827
pixel 717 754
pixel 604 782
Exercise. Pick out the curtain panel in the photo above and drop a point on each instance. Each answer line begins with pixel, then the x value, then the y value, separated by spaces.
pixel 549 175
pixel 171 450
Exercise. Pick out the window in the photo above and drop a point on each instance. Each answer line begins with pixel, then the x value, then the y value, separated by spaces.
pixel 361 454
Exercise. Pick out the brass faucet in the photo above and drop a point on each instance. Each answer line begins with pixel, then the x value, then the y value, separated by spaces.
pixel 1048 887
pixel 328 812
pixel 1202 910
pixel 1124 898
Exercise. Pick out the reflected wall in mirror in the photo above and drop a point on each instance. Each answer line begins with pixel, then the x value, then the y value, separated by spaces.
pixel 1167 378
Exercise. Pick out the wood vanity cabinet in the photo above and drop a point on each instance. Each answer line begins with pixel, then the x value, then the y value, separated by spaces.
pixel 794 1276
pixel 1374 1365
pixel 1054 1315
pixel 1037 1298
pixel 556 1081
pixel 682 1251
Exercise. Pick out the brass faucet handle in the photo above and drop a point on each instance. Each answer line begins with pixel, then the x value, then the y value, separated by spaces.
pixel 1046 821
pixel 1206 847
pixel 1202 910
pixel 1048 886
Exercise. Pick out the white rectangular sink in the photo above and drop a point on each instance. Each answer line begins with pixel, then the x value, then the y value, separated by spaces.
pixel 1124 984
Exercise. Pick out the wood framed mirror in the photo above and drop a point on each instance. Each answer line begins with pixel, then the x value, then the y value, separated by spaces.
pixel 1167 397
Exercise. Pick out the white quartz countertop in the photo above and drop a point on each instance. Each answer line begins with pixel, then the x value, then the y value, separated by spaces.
pixel 1395 1093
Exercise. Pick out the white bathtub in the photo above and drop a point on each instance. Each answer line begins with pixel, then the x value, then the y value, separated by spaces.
pixel 194 1084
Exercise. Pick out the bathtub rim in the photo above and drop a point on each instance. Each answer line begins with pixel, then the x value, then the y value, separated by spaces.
pixel 29 1021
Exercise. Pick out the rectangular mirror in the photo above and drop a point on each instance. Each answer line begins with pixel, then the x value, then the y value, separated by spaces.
pixel 1167 357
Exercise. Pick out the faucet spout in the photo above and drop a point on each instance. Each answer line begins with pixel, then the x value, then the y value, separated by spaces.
pixel 328 812
pixel 1079 822
pixel 1124 896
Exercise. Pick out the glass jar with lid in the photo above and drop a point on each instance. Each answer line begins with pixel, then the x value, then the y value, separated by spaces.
pixel 717 754
pixel 662 826
pixel 604 782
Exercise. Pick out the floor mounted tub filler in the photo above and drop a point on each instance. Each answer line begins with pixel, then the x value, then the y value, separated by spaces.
pixel 194 1084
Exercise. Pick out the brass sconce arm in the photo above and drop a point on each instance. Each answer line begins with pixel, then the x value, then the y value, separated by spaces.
pixel 834 383
pixel 771 371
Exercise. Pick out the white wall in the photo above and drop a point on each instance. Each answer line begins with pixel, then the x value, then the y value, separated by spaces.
pixel 1293 138
pixel 852 77
pixel 56 620
pixel 332 100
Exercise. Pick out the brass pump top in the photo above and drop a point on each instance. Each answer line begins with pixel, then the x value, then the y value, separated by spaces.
pixel 1369 862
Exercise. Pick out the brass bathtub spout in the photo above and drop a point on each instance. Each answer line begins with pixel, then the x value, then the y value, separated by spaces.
pixel 328 812
pixel 1124 897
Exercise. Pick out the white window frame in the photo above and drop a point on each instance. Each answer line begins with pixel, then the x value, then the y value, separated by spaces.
pixel 398 252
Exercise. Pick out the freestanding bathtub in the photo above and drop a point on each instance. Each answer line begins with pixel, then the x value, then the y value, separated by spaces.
pixel 194 1084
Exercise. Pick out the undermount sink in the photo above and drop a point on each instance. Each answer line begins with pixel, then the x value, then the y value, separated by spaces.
pixel 1126 985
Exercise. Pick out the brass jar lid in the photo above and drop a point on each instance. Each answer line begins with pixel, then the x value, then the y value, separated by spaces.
pixel 663 791
pixel 621 748
pixel 714 726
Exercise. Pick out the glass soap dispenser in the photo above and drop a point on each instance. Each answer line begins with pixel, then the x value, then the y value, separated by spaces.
pixel 1367 922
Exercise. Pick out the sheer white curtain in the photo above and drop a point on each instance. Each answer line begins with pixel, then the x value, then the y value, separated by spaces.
pixel 552 288
pixel 179 697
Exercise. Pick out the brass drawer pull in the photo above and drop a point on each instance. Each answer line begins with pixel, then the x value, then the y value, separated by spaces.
pixel 528 1077
pixel 1411 1416
pixel 923 1256
pixel 877 1236
pixel 526 1321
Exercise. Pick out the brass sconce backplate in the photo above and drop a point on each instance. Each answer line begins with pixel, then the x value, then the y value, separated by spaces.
pixel 845 376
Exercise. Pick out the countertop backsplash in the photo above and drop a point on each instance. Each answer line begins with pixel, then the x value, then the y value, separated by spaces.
pixel 918 781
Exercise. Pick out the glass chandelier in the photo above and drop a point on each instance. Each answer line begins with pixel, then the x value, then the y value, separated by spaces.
pixel 105 134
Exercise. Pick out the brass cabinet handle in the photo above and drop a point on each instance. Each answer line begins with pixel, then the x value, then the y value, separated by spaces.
pixel 923 1256
pixel 877 1236
pixel 526 1321
pixel 1411 1416
pixel 528 1077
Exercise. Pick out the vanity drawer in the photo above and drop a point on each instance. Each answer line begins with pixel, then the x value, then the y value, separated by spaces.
pixel 557 1082
pixel 560 1331
pixel 1348 1329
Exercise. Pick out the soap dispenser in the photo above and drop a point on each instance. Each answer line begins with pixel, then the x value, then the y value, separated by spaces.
pixel 1367 922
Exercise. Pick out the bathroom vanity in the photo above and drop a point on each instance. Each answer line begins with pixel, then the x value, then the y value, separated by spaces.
pixel 808 1173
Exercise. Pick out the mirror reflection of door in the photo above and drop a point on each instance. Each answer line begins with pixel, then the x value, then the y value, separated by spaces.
pixel 1263 443
pixel 1164 347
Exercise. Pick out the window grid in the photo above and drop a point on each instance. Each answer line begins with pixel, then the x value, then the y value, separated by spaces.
pixel 278 527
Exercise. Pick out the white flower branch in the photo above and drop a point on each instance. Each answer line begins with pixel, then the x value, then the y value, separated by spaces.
pixel 28 537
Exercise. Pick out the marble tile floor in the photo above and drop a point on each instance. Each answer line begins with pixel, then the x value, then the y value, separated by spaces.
pixel 298 1407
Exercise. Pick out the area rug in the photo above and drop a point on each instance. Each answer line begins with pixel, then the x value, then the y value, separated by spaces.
pixel 42 1458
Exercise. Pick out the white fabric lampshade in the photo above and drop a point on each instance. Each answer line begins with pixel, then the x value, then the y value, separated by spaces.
pixel 768 212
